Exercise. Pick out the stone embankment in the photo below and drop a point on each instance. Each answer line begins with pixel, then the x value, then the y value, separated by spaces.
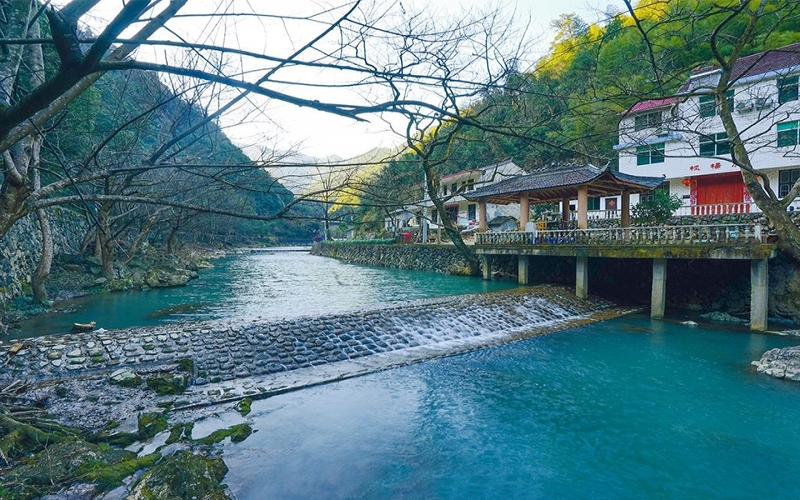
pixel 780 363
pixel 261 358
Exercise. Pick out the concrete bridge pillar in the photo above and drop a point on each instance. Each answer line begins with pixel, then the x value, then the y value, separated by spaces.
pixel 582 277
pixel 759 294
pixel 658 297
pixel 522 270
pixel 486 264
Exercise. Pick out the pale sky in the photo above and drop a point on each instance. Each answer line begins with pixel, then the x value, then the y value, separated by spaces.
pixel 275 125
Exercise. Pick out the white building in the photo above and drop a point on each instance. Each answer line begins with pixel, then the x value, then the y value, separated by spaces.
pixel 465 212
pixel 451 190
pixel 683 138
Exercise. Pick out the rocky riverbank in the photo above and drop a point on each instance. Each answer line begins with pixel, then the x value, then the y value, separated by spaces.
pixel 148 385
pixel 74 275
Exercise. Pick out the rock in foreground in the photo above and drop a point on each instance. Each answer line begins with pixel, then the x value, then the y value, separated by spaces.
pixel 780 363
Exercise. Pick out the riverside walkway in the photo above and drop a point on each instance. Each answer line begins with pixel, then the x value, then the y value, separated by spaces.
pixel 267 357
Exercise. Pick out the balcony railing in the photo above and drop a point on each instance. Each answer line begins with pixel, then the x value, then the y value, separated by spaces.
pixel 666 235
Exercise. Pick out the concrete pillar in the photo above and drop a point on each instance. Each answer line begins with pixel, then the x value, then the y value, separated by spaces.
pixel 583 206
pixel 522 270
pixel 524 211
pixel 759 294
pixel 565 211
pixel 482 225
pixel 658 297
pixel 486 263
pixel 582 277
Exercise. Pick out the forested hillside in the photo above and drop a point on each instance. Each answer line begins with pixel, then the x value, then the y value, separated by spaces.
pixel 567 107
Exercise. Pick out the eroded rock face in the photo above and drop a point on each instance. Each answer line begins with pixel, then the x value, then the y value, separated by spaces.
pixel 780 363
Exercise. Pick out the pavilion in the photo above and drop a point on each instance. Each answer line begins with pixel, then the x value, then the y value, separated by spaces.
pixel 562 184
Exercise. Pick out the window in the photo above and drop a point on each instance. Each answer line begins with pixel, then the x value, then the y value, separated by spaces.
pixel 664 186
pixel 454 188
pixel 787 89
pixel 786 179
pixel 593 203
pixel 653 153
pixel 647 120
pixel 708 106
pixel 471 185
pixel 472 211
pixel 715 144
pixel 787 134
pixel 444 190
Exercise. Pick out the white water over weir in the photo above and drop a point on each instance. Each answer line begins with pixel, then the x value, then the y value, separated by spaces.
pixel 265 357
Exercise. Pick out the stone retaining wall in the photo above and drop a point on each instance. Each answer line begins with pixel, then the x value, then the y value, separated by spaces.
pixel 436 258
pixel 21 246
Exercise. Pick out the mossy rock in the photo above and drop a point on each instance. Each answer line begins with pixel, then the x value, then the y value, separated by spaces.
pixel 168 384
pixel 58 465
pixel 182 476
pixel 237 433
pixel 244 406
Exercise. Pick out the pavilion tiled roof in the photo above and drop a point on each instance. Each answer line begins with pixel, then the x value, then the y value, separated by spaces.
pixel 563 181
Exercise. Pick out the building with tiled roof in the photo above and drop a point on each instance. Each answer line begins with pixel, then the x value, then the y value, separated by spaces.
pixel 682 137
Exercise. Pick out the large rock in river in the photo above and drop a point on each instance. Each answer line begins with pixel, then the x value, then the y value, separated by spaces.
pixel 780 363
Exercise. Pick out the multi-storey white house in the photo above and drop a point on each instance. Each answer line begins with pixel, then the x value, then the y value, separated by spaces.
pixel 683 138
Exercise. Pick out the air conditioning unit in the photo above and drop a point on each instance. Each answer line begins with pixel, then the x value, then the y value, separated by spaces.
pixel 745 106
pixel 763 102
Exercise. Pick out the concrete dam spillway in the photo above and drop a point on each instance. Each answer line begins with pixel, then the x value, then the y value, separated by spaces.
pixel 232 360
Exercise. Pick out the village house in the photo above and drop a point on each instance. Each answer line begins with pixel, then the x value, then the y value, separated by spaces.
pixel 682 138
pixel 452 189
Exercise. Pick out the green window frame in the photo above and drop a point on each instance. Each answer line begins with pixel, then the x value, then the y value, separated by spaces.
pixel 786 179
pixel 593 203
pixel 652 153
pixel 648 120
pixel 788 134
pixel 708 106
pixel 715 144
pixel 788 89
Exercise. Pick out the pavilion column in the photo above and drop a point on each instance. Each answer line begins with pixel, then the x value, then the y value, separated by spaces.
pixel 625 214
pixel 625 210
pixel 524 210
pixel 482 226
pixel 583 204
pixel 565 211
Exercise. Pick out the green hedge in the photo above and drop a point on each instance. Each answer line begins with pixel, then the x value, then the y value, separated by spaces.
pixel 389 241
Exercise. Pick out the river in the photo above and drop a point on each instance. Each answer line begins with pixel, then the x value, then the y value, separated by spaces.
pixel 257 285
pixel 628 408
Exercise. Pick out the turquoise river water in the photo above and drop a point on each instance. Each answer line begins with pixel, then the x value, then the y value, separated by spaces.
pixel 259 285
pixel 629 408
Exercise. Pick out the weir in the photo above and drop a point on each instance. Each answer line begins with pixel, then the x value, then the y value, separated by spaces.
pixel 329 347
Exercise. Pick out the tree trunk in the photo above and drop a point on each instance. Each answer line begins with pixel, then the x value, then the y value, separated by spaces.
pixel 106 242
pixel 45 260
